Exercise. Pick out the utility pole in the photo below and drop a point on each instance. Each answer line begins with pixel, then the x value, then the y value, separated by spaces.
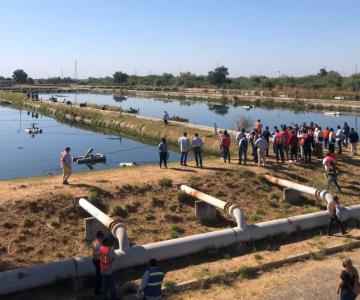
pixel 75 70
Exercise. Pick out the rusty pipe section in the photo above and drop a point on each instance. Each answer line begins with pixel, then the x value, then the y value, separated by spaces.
pixel 230 209
pixel 320 194
pixel 116 228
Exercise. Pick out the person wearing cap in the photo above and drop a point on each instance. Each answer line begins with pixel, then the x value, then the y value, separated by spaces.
pixel 107 259
pixel 151 282
pixel 95 245
pixel 65 162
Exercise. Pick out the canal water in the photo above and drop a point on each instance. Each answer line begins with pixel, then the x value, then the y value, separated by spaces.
pixel 225 116
pixel 26 155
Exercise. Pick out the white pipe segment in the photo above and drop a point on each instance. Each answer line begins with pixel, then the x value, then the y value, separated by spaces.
pixel 319 193
pixel 117 230
pixel 232 210
pixel 27 278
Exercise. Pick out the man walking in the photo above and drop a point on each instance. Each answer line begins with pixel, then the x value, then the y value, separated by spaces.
pixel 354 139
pixel 261 144
pixel 184 144
pixel 334 211
pixel 96 244
pixel 151 282
pixel 166 118
pixel 197 144
pixel 330 174
pixel 65 161
pixel 107 260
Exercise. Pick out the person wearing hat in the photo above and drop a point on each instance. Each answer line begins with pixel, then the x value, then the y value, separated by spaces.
pixel 95 245
pixel 107 260
pixel 151 282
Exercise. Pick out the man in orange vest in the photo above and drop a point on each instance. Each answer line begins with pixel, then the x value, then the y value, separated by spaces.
pixel 279 142
pixel 96 244
pixel 65 162
pixel 107 260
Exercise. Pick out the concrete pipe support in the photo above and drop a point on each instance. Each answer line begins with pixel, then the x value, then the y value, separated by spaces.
pixel 231 209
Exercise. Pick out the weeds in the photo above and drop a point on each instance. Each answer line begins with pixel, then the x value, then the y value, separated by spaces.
pixel 176 231
pixel 169 283
pixel 165 182
pixel 156 202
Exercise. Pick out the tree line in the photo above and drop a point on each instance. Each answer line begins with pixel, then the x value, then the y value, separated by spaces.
pixel 219 77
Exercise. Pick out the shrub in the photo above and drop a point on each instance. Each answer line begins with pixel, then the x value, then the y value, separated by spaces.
pixel 176 231
pixel 131 208
pixel 28 223
pixel 182 197
pixel 156 202
pixel 173 218
pixel 119 211
pixel 258 256
pixel 165 182
pixel 247 273
pixel 150 217
pixel 169 283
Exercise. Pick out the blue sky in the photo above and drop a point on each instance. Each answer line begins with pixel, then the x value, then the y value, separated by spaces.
pixel 295 37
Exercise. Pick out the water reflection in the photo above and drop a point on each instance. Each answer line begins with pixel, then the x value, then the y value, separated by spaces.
pixel 219 109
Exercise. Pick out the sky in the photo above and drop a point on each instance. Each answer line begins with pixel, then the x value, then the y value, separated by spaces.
pixel 253 37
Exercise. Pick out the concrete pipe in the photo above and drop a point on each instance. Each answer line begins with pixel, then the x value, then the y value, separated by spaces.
pixel 318 193
pixel 116 228
pixel 230 209
pixel 27 278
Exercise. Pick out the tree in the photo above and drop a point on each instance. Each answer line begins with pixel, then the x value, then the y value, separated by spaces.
pixel 120 77
pixel 218 76
pixel 19 76
pixel 322 72
pixel 30 80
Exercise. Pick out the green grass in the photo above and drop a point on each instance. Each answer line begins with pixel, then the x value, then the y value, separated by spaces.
pixel 165 182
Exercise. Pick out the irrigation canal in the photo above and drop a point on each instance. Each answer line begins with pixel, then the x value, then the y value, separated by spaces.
pixel 203 113
pixel 24 154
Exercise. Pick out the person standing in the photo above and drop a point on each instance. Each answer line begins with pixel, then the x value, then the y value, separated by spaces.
pixel 266 134
pixel 65 161
pixel 332 140
pixel 243 146
pixel 293 146
pixel 184 144
pixel 258 126
pixel 285 134
pixel 339 138
pixel 261 145
pixel 346 131
pixel 107 260
pixel 225 142
pixel 354 139
pixel 240 135
pixel 151 282
pixel 319 139
pixel 348 286
pixel 197 144
pixel 95 245
pixel 333 217
pixel 307 146
pixel 163 152
pixel 166 118
pixel 279 142
pixel 326 137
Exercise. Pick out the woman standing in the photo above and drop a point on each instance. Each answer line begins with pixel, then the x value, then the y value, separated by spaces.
pixel 349 278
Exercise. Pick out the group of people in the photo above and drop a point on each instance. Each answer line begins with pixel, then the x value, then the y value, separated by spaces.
pixel 288 142
pixel 104 258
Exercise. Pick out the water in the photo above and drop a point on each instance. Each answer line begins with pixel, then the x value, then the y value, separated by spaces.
pixel 224 116
pixel 24 155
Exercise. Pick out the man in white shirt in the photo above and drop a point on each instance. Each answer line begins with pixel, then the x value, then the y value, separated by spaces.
pixel 65 162
pixel 197 144
pixel 166 118
pixel 184 144
pixel 339 138
pixel 261 144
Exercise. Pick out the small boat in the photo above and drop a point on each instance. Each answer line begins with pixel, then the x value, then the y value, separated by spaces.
pixel 248 107
pixel 127 164
pixel 332 113
pixel 89 158
pixel 92 159
pixel 33 130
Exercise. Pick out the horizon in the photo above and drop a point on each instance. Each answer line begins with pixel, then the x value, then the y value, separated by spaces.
pixel 154 38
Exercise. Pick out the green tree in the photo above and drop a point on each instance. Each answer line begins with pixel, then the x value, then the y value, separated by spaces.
pixel 19 76
pixel 120 77
pixel 322 72
pixel 218 76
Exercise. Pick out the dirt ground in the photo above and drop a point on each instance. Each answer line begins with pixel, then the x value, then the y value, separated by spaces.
pixel 39 222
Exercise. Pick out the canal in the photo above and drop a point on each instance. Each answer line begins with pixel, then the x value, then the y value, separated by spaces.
pixel 24 154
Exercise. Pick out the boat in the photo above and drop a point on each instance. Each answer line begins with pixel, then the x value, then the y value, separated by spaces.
pixel 128 164
pixel 248 107
pixel 332 113
pixel 89 158
pixel 33 130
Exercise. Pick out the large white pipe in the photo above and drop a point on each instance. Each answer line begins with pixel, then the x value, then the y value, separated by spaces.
pixel 116 228
pixel 318 193
pixel 26 278
pixel 231 209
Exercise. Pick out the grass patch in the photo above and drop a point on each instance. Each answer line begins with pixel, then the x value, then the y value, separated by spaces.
pixel 165 182
pixel 156 202
pixel 119 211
pixel 169 283
pixel 258 257
pixel 176 231
pixel 248 273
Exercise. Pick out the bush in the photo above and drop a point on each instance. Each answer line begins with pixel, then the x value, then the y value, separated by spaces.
pixel 176 231
pixel 169 283
pixel 119 211
pixel 156 202
pixel 150 217
pixel 28 223
pixel 165 182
